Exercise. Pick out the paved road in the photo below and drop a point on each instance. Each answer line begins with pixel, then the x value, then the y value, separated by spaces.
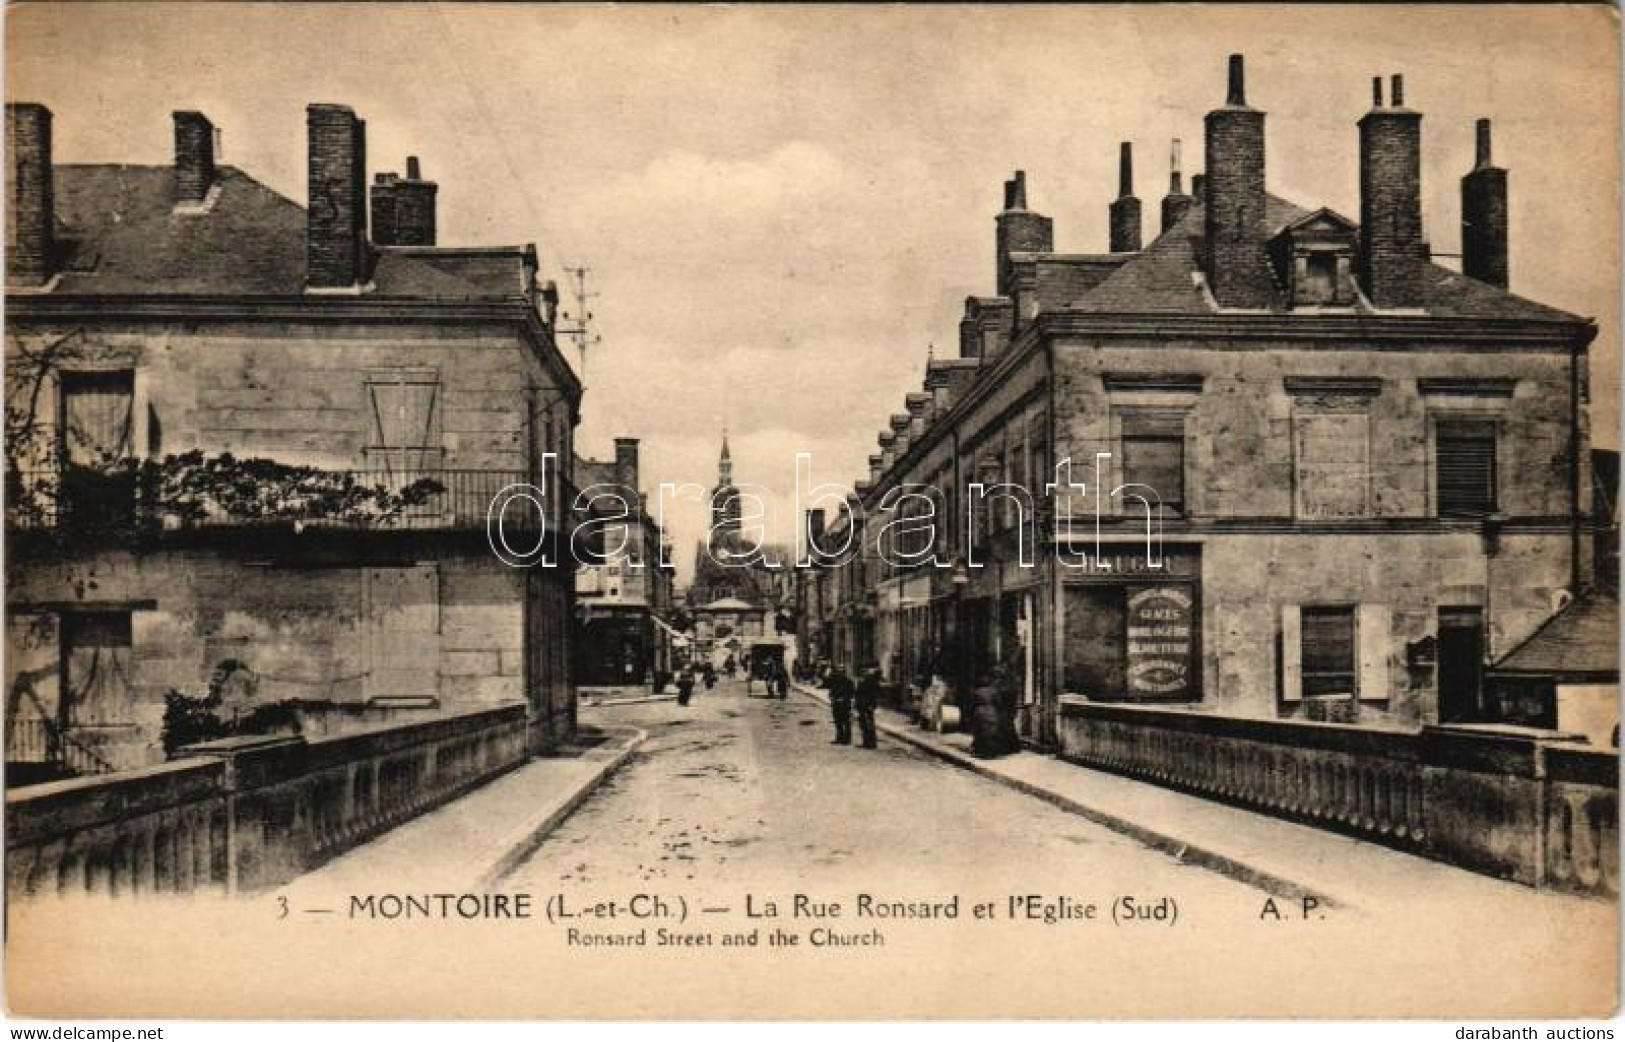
pixel 738 791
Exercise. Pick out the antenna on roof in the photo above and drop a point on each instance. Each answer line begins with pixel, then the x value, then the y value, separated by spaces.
pixel 581 330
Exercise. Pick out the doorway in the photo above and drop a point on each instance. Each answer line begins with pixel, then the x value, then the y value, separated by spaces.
pixel 1461 664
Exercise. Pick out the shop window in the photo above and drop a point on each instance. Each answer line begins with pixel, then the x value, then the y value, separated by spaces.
pixel 1464 467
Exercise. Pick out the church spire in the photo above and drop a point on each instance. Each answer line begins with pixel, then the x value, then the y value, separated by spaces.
pixel 725 463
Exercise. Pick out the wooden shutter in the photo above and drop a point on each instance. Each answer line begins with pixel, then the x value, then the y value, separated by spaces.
pixel 97 417
pixel 1328 663
pixel 1465 467
pixel 1291 654
pixel 1372 630
pixel 405 419
pixel 1332 465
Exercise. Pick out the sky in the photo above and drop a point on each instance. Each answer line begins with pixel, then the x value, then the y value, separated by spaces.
pixel 783 209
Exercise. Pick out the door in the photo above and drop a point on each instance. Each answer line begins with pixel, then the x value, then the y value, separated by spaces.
pixel 1461 664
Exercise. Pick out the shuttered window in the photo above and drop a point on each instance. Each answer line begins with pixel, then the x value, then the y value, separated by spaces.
pixel 1157 461
pixel 1465 467
pixel 97 417
pixel 97 666
pixel 405 420
pixel 1328 650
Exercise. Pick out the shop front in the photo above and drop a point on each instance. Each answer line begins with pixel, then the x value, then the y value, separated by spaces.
pixel 1132 626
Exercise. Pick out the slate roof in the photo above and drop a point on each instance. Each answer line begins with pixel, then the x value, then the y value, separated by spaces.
pixel 1160 280
pixel 1581 641
pixel 119 234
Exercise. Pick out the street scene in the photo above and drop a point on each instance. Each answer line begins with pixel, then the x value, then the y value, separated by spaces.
pixel 836 478
pixel 737 787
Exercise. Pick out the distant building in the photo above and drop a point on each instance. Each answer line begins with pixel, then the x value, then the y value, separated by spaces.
pixel 624 590
pixel 251 447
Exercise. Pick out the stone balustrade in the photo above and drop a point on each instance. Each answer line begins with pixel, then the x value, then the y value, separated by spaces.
pixel 1519 803
pixel 243 814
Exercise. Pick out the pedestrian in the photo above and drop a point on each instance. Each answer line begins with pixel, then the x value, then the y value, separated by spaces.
pixel 839 686
pixel 782 682
pixel 685 686
pixel 868 698
pixel 710 676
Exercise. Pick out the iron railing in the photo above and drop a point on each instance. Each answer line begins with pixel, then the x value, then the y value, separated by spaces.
pixel 434 499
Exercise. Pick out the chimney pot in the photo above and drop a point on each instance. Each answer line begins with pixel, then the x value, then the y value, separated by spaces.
pixel 1175 185
pixel 1376 92
pixel 1484 217
pixel 1198 185
pixel 1018 230
pixel 1391 203
pixel 1124 213
pixel 30 198
pixel 403 209
pixel 1237 94
pixel 1234 249
pixel 1396 91
pixel 626 463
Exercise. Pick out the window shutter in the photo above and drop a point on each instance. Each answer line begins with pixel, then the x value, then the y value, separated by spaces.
pixel 1157 463
pixel 1372 633
pixel 1291 654
pixel 1466 467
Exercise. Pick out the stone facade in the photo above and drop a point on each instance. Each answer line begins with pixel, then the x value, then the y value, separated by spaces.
pixel 232 345
pixel 1300 425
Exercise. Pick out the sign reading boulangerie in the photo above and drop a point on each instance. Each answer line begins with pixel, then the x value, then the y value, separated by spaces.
pixel 969 583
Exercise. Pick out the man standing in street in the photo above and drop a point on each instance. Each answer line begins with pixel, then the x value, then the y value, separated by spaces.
pixel 839 686
pixel 868 697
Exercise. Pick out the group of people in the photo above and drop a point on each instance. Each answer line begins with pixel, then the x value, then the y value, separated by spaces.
pixel 774 676
pixel 844 696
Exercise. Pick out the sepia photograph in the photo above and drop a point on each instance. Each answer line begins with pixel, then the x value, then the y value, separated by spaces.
pixel 826 513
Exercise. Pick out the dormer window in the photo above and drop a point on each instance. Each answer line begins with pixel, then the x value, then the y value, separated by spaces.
pixel 1314 259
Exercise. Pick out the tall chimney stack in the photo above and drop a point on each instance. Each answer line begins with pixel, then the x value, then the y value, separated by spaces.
pixel 1233 214
pixel 194 157
pixel 30 199
pixel 1124 212
pixel 403 209
pixel 1391 200
pixel 815 529
pixel 626 464
pixel 336 248
pixel 1019 230
pixel 1484 217
pixel 1176 202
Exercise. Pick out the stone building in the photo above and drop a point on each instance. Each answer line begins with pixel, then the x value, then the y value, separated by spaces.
pixel 624 587
pixel 1366 473
pixel 251 448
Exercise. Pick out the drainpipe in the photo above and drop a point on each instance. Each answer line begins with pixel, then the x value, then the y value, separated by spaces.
pixel 1050 693
pixel 1575 346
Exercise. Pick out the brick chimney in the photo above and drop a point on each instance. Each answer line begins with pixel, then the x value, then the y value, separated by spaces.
pixel 1391 200
pixel 30 201
pixel 1233 217
pixel 336 249
pixel 194 157
pixel 626 463
pixel 1176 202
pixel 1124 212
pixel 1020 230
pixel 403 208
pixel 815 529
pixel 1484 217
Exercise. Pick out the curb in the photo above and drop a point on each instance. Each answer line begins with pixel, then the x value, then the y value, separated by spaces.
pixel 523 842
pixel 1182 850
pixel 591 703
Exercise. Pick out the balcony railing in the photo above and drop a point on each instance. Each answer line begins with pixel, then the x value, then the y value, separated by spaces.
pixel 376 499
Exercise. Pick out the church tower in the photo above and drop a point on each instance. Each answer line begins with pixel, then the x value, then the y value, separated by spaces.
pixel 724 499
